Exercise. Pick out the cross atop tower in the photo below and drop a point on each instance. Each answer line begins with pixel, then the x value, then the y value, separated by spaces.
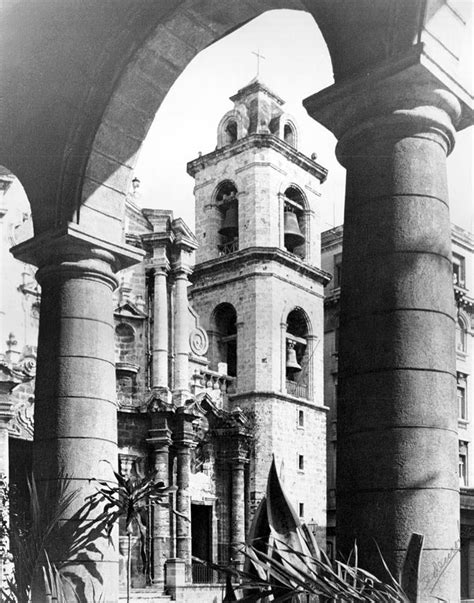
pixel 259 56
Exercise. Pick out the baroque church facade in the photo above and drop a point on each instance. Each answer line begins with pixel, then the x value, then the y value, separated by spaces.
pixel 219 351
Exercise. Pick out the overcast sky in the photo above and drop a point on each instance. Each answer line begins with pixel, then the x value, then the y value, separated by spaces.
pixel 297 64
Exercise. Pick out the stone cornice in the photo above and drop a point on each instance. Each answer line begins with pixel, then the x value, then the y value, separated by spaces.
pixel 234 261
pixel 251 395
pixel 71 239
pixel 342 106
pixel 259 141
pixel 256 86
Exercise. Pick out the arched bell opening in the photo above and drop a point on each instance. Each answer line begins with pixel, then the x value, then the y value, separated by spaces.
pixel 224 340
pixel 297 366
pixel 230 132
pixel 294 222
pixel 228 205
pixel 289 134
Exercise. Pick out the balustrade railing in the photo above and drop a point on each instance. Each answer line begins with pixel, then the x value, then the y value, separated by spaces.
pixel 230 247
pixel 202 574
pixel 299 390
pixel 216 384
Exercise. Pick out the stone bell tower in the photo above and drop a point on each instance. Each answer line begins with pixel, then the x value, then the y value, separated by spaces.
pixel 258 289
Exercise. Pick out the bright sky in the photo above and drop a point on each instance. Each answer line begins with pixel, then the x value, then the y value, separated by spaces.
pixel 297 64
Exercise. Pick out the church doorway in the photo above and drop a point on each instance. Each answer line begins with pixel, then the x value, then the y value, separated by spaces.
pixel 201 541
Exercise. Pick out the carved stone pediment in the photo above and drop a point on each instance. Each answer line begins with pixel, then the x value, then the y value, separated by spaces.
pixel 129 310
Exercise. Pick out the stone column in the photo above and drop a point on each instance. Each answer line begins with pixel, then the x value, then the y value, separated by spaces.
pixel 397 416
pixel 160 328
pixel 75 402
pixel 3 252
pixel 181 336
pixel 184 441
pixel 160 439
pixel 238 509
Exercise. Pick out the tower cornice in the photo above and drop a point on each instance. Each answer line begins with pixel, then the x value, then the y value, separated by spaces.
pixel 231 262
pixel 258 141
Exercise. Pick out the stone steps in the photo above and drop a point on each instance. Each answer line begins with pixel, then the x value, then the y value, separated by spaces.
pixel 139 595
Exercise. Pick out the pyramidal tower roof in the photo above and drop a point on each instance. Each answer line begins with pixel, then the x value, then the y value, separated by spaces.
pixel 260 105
pixel 256 86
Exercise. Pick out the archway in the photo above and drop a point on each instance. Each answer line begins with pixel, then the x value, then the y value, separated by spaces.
pixel 96 86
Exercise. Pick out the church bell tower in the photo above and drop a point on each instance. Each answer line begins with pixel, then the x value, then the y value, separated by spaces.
pixel 258 289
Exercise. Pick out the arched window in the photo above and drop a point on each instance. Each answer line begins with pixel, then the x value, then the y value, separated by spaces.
pixel 225 339
pixel 461 336
pixel 289 135
pixel 297 355
pixel 125 343
pixel 230 132
pixel 228 205
pixel 294 222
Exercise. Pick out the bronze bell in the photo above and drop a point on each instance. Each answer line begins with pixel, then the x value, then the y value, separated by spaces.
pixel 230 227
pixel 293 234
pixel 292 365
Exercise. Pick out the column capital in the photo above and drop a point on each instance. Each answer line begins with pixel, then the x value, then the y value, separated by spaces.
pixel 71 249
pixel 159 266
pixel 408 95
pixel 159 439
pixel 184 431
pixel 181 270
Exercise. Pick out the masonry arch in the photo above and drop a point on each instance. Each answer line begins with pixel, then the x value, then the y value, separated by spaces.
pixel 223 338
pixel 295 220
pixel 226 202
pixel 297 352
pixel 75 114
pixel 97 86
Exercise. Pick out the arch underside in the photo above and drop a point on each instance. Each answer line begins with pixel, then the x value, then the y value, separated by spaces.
pixel 85 79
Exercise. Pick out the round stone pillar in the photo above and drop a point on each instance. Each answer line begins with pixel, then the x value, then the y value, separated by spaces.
pixel 75 400
pixel 160 439
pixel 160 329
pixel 238 511
pixel 181 336
pixel 396 408
pixel 184 441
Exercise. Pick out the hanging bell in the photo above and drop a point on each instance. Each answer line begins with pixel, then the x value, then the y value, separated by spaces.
pixel 292 232
pixel 230 226
pixel 292 365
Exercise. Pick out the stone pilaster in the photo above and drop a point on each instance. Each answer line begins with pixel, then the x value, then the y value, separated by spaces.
pixel 75 405
pixel 160 440
pixel 5 417
pixel 397 416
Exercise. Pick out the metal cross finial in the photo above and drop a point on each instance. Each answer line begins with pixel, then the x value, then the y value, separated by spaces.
pixel 259 56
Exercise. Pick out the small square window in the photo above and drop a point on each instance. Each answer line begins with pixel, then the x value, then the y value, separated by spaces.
pixel 301 509
pixel 300 462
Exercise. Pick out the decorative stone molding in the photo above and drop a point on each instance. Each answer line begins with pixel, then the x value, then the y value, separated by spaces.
pixel 198 341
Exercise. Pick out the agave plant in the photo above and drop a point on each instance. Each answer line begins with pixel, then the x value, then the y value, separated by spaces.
pixel 284 563
pixel 30 539
pixel 128 499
